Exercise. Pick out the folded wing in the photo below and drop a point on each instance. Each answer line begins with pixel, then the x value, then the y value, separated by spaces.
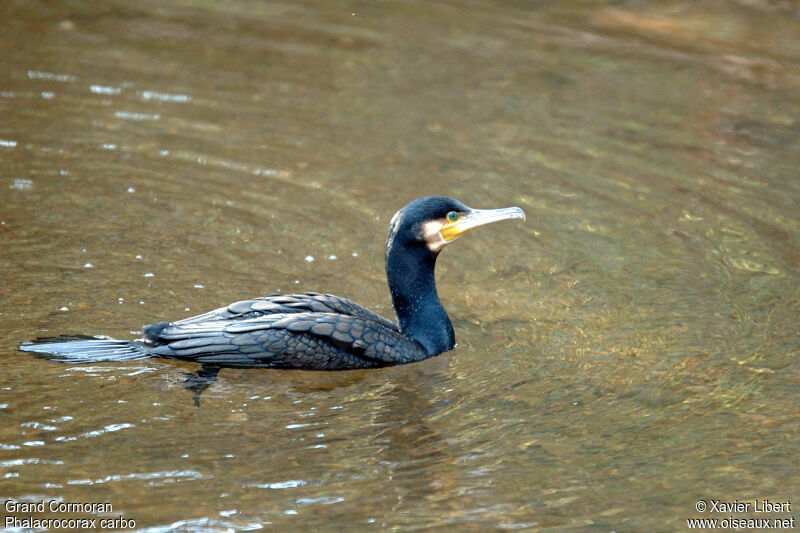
pixel 310 302
pixel 322 340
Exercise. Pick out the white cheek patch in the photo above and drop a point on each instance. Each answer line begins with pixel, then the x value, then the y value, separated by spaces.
pixel 431 233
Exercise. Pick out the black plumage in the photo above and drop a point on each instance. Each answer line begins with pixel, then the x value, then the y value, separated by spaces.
pixel 312 330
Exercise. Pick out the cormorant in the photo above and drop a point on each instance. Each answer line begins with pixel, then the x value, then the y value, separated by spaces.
pixel 311 330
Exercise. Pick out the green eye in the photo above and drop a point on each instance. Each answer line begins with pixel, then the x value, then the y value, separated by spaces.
pixel 452 216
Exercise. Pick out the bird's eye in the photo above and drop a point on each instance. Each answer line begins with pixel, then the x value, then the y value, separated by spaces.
pixel 452 216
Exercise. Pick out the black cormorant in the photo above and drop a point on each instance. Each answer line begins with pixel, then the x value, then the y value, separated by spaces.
pixel 311 330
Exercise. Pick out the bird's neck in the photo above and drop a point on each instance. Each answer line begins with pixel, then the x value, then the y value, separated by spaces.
pixel 410 271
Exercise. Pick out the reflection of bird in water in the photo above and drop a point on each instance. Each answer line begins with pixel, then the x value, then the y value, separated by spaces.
pixel 314 331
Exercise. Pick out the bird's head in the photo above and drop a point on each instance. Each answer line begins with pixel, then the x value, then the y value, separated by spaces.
pixel 436 221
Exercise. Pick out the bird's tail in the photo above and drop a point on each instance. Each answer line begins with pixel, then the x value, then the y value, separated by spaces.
pixel 83 349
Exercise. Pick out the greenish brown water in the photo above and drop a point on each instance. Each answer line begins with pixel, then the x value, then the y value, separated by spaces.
pixel 627 352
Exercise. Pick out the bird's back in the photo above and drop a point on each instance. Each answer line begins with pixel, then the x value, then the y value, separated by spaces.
pixel 310 330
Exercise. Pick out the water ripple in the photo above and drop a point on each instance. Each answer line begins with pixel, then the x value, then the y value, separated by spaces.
pixel 278 485
pixel 164 97
pixel 111 428
pixel 203 525
pixel 38 75
pixel 167 476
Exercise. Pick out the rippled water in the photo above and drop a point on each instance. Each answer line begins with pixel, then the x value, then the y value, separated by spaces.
pixel 624 354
